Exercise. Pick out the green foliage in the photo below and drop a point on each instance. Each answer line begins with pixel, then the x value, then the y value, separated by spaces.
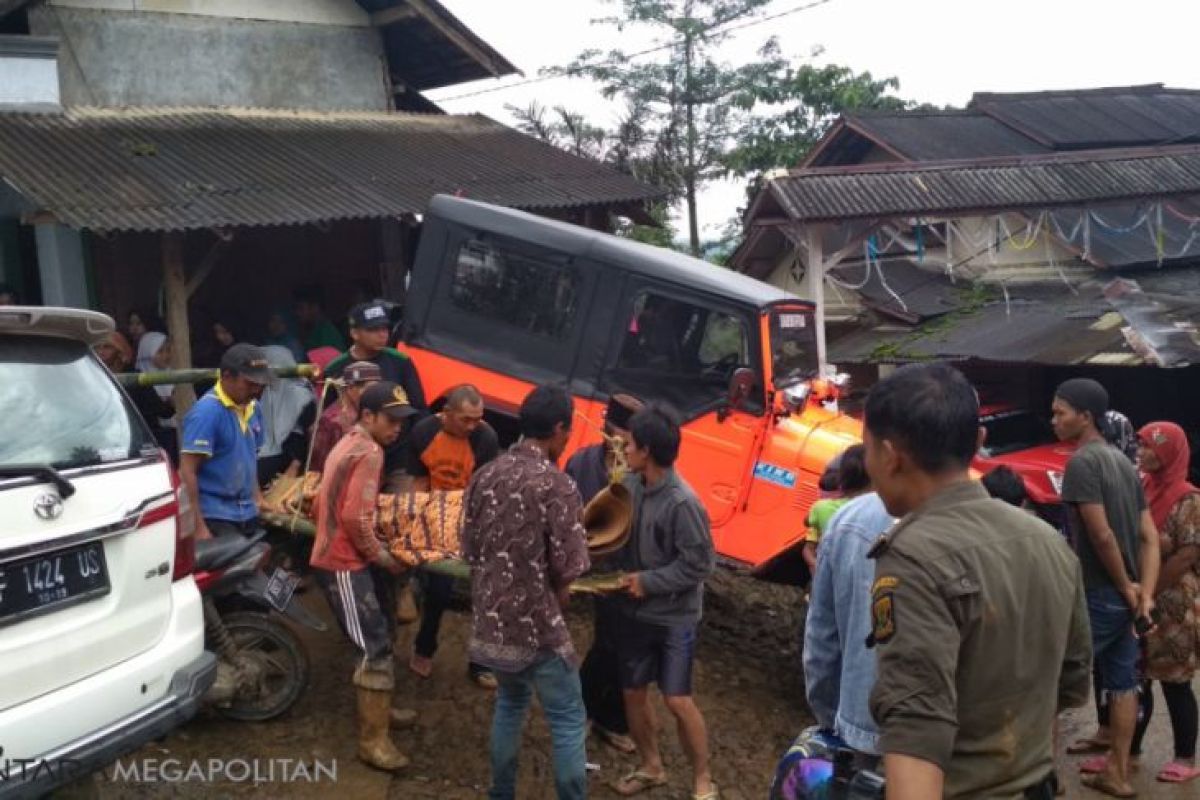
pixel 697 118
pixel 805 101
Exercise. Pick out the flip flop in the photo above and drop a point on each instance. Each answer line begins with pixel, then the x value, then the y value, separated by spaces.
pixel 617 741
pixel 1176 772
pixel 1087 746
pixel 1101 783
pixel 712 794
pixel 637 782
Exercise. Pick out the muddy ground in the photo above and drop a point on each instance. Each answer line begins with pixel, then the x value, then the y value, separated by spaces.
pixel 747 685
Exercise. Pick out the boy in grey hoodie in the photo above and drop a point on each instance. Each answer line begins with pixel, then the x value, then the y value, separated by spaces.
pixel 667 558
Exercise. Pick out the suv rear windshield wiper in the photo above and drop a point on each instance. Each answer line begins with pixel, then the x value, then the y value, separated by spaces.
pixel 47 473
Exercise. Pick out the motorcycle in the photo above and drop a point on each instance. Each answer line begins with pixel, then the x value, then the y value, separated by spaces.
pixel 262 666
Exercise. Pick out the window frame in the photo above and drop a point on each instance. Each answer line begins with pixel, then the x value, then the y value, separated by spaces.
pixel 746 315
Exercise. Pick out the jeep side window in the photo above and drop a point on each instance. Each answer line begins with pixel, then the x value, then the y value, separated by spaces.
pixel 537 297
pixel 679 353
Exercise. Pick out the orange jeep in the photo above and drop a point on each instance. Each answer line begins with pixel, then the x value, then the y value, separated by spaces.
pixel 506 300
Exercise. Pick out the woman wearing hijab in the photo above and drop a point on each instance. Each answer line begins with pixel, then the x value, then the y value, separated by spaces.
pixel 117 355
pixel 289 409
pixel 1172 650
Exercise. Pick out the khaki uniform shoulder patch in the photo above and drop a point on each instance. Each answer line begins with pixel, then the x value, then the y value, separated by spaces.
pixel 883 617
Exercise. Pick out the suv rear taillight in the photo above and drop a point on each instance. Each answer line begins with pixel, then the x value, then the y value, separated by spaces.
pixel 185 528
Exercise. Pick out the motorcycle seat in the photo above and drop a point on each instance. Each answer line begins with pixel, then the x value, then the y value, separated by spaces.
pixel 220 551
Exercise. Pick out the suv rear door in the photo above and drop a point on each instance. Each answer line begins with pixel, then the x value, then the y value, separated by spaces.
pixel 85 579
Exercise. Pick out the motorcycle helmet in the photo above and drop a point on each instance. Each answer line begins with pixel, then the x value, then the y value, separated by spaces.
pixel 806 770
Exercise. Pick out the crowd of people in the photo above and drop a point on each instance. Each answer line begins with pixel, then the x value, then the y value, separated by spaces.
pixel 948 625
pixel 947 628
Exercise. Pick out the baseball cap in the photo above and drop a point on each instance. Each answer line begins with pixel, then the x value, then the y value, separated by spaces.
pixel 361 372
pixel 248 361
pixel 388 398
pixel 369 315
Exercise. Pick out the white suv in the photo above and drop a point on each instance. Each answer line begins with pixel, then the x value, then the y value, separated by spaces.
pixel 101 628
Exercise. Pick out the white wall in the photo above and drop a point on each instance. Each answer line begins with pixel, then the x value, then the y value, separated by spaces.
pixel 315 12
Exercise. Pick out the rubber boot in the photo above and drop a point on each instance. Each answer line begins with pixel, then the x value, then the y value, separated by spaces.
pixel 402 718
pixel 375 747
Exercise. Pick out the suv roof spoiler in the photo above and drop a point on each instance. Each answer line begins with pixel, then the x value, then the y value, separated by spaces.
pixel 79 324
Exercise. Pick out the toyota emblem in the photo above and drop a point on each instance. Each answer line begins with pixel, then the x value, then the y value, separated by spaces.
pixel 48 506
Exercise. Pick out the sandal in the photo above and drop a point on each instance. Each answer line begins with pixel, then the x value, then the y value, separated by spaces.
pixel 1102 784
pixel 637 782
pixel 712 794
pixel 1097 764
pixel 617 741
pixel 1177 772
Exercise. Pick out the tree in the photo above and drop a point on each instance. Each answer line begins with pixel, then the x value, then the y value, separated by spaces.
pixel 627 148
pixel 811 98
pixel 709 119
pixel 691 101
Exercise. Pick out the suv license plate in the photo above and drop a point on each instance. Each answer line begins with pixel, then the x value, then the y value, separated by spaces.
pixel 46 583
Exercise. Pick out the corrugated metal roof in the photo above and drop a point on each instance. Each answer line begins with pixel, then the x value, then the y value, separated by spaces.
pixel 1039 327
pixel 947 188
pixel 174 169
pixel 942 135
pixel 1121 116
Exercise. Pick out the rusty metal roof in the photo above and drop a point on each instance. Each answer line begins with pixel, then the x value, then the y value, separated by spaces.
pixel 176 169
pixel 1047 325
pixel 946 188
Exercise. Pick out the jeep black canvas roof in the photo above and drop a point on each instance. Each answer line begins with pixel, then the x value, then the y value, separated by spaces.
pixel 654 262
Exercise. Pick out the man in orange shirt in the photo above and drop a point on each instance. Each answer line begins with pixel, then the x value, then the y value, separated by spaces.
pixel 444 451
pixel 355 570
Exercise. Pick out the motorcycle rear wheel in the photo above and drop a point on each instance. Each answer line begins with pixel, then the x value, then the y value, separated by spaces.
pixel 282 659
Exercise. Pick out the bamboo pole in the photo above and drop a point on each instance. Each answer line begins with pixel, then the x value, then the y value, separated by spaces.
pixel 190 376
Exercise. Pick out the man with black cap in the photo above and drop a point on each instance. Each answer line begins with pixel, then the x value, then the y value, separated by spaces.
pixel 369 327
pixel 355 569
pixel 1115 537
pixel 339 418
pixel 222 433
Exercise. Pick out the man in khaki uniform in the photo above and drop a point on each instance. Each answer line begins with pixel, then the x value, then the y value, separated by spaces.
pixel 978 610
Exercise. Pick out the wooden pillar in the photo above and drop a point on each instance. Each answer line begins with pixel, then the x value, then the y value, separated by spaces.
pixel 815 270
pixel 175 288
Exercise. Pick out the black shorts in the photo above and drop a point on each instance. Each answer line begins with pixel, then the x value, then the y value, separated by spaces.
pixel 662 654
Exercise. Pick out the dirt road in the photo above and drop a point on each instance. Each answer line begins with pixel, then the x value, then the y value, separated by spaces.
pixel 747 686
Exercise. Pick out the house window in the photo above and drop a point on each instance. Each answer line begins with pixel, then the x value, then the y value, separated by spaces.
pixel 523 292
pixel 680 353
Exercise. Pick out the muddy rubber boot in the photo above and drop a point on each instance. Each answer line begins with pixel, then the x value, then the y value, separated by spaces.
pixel 406 607
pixel 402 718
pixel 375 747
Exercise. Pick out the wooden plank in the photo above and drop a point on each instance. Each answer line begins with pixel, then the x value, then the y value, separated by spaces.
pixel 178 329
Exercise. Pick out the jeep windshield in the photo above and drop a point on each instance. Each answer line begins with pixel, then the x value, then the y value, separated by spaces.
pixel 61 407
pixel 793 346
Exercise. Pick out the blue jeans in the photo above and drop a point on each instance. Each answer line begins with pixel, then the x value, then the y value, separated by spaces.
pixel 1114 646
pixel 557 685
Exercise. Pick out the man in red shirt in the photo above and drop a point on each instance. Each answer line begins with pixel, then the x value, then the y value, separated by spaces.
pixel 339 418
pixel 355 570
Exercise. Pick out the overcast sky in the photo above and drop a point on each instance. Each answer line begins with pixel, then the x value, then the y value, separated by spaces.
pixel 941 50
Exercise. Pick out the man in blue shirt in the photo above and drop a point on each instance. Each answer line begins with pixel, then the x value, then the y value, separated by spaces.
pixel 839 669
pixel 219 450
